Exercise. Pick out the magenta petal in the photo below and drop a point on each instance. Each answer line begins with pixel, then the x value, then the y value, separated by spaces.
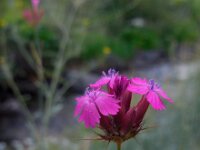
pixel 107 105
pixel 139 81
pixel 28 15
pixel 90 115
pixel 164 95
pixel 154 100
pixel 112 81
pixel 138 86
pixel 101 82
pixel 137 89
pixel 80 104
pixel 35 3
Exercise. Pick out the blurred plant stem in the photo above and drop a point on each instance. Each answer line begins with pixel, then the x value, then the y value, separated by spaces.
pixel 118 145
pixel 20 98
pixel 14 87
pixel 21 48
pixel 37 55
pixel 46 92
pixel 62 58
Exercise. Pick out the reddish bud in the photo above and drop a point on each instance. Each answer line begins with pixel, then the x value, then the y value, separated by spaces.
pixel 140 109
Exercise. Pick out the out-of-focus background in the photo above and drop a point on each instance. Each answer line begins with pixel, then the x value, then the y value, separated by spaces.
pixel 50 55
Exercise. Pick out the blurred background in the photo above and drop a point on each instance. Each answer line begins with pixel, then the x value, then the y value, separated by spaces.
pixel 48 56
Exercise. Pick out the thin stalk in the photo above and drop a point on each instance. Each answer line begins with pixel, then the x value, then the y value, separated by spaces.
pixel 57 71
pixel 119 145
pixel 19 97
pixel 21 48
pixel 37 55
pixel 14 87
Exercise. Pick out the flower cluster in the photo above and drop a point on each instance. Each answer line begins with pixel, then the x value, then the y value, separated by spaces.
pixel 111 109
pixel 34 15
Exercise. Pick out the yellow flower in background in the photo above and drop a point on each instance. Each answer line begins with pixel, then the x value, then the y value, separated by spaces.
pixel 2 23
pixel 106 50
pixel 86 22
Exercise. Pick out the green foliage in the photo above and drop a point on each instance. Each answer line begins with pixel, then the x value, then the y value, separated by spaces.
pixel 121 48
pixel 165 22
pixel 47 37
pixel 186 31
pixel 123 45
pixel 96 43
pixel 141 38
pixel 11 11
pixel 93 46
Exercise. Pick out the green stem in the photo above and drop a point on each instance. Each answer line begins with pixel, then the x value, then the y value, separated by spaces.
pixel 11 82
pixel 119 145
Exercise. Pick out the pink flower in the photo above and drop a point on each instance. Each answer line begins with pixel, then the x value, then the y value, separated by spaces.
pixel 94 104
pixel 106 79
pixel 151 90
pixel 34 15
pixel 111 108
pixel 35 3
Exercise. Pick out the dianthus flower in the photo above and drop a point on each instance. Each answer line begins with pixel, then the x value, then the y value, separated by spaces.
pixel 151 90
pixel 94 104
pixel 111 110
pixel 34 15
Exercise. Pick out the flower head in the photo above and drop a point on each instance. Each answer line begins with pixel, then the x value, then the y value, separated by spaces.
pixel 151 90
pixel 94 104
pixel 34 15
pixel 35 3
pixel 111 109
pixel 108 78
